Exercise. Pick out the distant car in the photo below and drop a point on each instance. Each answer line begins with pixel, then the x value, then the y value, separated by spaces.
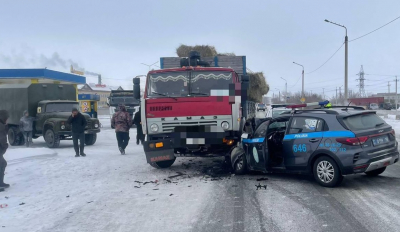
pixel 261 107
pixel 373 106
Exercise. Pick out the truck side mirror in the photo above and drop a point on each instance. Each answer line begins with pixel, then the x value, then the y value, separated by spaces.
pixel 136 88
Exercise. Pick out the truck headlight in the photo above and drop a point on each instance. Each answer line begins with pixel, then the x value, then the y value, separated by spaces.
pixel 225 125
pixel 62 127
pixel 96 125
pixel 154 127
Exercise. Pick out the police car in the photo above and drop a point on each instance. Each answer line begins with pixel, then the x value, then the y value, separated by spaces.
pixel 326 142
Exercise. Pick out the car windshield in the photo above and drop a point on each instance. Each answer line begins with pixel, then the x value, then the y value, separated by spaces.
pixel 61 107
pixel 276 113
pixel 363 121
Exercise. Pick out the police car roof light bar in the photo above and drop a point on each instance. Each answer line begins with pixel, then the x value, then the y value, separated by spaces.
pixel 308 104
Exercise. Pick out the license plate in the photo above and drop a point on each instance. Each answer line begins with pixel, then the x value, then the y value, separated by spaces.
pixel 380 140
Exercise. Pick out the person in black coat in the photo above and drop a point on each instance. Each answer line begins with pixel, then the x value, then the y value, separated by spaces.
pixel 78 123
pixel 138 122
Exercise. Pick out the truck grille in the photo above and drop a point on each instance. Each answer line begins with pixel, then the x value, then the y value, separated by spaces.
pixel 169 126
pixel 89 124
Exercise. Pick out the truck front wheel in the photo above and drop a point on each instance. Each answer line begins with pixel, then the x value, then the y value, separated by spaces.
pixel 90 139
pixel 163 164
pixel 52 139
pixel 14 137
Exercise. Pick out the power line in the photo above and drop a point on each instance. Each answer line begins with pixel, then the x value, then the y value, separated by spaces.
pixel 375 29
pixel 328 59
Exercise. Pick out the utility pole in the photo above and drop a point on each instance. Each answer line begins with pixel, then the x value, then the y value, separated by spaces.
pixel 336 95
pixel 346 47
pixel 286 93
pixel 396 93
pixel 302 80
pixel 323 93
pixel 388 86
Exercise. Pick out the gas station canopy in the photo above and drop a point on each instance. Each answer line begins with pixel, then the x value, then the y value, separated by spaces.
pixel 14 76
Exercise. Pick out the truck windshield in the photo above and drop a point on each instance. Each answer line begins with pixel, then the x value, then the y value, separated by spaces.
pixel 203 82
pixel 61 107
pixel 179 84
pixel 170 84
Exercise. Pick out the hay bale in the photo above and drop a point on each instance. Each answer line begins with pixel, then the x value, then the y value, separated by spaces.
pixel 226 54
pixel 205 50
pixel 257 87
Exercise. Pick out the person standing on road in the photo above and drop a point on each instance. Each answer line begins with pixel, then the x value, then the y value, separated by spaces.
pixel 26 127
pixel 122 122
pixel 3 147
pixel 78 123
pixel 139 130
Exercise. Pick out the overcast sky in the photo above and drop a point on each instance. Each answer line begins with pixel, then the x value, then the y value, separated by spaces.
pixel 114 38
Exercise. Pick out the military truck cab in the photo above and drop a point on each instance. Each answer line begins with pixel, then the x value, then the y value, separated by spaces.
pixel 51 123
pixel 50 105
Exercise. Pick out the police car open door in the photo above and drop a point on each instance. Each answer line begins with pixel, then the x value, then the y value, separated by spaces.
pixel 256 148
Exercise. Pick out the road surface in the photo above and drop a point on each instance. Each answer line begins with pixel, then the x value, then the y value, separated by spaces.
pixel 51 190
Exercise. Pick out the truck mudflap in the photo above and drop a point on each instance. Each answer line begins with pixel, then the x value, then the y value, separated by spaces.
pixel 159 150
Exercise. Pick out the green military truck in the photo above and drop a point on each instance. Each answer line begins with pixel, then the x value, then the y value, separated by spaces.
pixel 51 105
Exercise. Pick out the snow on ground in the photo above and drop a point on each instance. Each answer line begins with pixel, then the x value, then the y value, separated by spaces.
pixel 51 190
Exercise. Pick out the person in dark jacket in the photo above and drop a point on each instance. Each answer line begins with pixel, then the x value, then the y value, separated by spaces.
pixel 139 130
pixel 122 122
pixel 78 123
pixel 26 127
pixel 3 147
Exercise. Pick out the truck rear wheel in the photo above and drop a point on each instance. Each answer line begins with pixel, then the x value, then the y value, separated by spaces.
pixel 90 139
pixel 163 164
pixel 52 139
pixel 14 137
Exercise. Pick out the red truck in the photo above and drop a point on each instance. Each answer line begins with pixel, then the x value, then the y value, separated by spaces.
pixel 193 109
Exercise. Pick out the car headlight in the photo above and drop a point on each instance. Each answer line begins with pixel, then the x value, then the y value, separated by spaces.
pixel 96 125
pixel 225 125
pixel 62 127
pixel 154 127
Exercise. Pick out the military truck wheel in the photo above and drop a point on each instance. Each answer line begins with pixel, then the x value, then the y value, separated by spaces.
pixel 163 164
pixel 14 139
pixel 90 139
pixel 51 138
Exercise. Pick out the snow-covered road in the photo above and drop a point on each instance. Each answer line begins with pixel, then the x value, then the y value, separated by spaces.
pixel 51 190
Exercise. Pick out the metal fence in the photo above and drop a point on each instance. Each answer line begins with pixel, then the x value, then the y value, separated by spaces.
pixel 251 109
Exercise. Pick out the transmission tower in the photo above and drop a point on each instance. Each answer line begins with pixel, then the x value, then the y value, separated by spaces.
pixel 361 84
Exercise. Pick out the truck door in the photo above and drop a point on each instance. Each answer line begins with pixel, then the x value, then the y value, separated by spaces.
pixel 301 140
pixel 256 148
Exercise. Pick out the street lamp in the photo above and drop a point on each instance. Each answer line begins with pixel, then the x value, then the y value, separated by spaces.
pixel 285 89
pixel 149 65
pixel 346 42
pixel 302 80
pixel 279 94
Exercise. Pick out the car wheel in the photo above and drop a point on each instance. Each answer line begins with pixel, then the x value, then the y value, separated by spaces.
pixel 376 172
pixel 51 138
pixel 163 164
pixel 240 166
pixel 14 139
pixel 90 139
pixel 326 172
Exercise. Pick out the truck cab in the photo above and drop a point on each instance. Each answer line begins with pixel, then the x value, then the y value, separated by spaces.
pixel 51 122
pixel 50 105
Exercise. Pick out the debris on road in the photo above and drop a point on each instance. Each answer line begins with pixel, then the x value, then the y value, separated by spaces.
pixel 261 179
pixel 22 203
pixel 179 174
pixel 259 186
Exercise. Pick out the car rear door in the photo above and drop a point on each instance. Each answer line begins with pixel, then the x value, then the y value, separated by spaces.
pixel 303 137
pixel 256 148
